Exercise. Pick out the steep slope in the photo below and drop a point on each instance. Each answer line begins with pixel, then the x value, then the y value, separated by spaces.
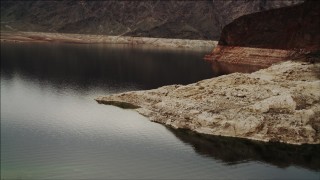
pixel 271 36
pixel 171 19
pixel 284 28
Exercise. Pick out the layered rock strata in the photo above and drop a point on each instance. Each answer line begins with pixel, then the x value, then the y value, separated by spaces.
pixel 270 36
pixel 249 56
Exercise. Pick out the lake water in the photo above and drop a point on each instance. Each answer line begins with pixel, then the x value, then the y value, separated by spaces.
pixel 51 127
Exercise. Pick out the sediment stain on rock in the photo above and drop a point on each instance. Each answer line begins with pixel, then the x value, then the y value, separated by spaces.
pixel 105 39
pixel 271 36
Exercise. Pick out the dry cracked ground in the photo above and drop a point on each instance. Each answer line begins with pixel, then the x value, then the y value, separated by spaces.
pixel 280 103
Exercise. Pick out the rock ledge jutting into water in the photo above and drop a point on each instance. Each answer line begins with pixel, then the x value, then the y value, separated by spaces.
pixel 280 103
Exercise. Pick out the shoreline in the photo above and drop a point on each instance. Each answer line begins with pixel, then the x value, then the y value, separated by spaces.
pixel 276 104
pixel 20 37
pixel 263 57
pixel 235 105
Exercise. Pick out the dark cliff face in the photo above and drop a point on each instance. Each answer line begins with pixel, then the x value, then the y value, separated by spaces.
pixel 293 27
pixel 171 19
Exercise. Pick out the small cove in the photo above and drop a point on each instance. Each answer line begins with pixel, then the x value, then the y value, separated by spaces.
pixel 51 127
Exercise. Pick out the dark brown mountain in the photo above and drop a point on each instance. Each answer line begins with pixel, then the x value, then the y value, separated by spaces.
pixel 271 36
pixel 292 27
pixel 203 19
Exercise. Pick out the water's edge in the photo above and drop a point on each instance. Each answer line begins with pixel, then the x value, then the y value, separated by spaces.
pixel 105 39
pixel 267 105
pixel 51 128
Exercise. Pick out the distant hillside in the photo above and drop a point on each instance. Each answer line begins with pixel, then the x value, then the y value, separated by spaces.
pixel 170 19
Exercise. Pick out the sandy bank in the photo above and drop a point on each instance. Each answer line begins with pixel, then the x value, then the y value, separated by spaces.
pixel 280 103
pixel 104 39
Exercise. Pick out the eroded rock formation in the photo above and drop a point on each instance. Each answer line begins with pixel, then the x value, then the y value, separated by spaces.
pixel 280 103
pixel 293 27
pixel 267 37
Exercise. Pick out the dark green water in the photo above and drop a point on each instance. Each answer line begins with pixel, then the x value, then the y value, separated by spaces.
pixel 51 128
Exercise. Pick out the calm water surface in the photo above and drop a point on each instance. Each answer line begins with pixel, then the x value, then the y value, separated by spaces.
pixel 51 128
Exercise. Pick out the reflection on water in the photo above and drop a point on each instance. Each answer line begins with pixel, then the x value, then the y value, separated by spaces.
pixel 236 150
pixel 51 128
pixel 221 68
pixel 63 64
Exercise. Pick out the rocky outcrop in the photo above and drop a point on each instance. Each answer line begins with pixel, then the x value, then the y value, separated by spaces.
pixel 293 27
pixel 272 36
pixel 159 19
pixel 280 104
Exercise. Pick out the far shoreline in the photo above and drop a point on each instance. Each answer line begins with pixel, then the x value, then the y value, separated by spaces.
pixel 39 37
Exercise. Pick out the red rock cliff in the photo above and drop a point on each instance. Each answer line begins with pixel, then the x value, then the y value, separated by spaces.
pixel 284 28
pixel 271 36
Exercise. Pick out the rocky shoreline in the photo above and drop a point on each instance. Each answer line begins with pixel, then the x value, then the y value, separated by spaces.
pixel 262 57
pixel 277 104
pixel 13 36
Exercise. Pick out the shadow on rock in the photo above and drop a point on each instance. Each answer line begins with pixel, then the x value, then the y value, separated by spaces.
pixel 237 150
pixel 222 68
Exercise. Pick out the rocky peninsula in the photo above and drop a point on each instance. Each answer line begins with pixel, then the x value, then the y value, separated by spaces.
pixel 280 103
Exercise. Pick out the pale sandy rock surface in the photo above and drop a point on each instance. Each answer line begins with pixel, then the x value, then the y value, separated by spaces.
pixel 106 39
pixel 280 103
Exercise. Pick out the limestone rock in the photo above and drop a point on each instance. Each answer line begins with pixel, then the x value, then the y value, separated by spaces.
pixel 266 105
